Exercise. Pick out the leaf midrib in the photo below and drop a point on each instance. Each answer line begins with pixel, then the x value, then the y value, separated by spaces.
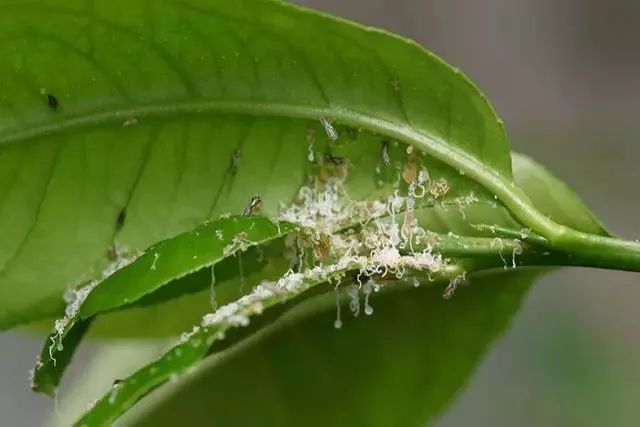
pixel 492 180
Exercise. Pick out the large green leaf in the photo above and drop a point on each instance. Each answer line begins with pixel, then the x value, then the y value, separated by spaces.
pixel 154 100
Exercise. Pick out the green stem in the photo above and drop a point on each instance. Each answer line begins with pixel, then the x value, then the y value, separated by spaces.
pixel 597 251
pixel 578 249
pixel 455 246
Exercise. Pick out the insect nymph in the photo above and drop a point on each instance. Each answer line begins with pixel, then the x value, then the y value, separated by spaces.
pixel 329 129
pixel 253 205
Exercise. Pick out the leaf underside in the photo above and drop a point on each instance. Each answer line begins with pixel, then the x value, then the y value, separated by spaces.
pixel 154 103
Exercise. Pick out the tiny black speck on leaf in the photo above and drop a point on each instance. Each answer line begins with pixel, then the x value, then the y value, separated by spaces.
pixel 53 102
pixel 122 216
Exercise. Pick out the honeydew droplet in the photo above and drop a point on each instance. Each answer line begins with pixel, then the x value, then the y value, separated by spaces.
pixel 114 393
pixel 367 289
pixel 354 303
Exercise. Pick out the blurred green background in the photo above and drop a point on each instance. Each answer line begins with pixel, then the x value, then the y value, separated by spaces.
pixel 564 77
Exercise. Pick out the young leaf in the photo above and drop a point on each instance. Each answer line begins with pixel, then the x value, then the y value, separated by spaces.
pixel 161 264
pixel 179 256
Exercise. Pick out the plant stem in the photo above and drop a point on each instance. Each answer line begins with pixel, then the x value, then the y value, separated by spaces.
pixel 591 250
pixel 576 249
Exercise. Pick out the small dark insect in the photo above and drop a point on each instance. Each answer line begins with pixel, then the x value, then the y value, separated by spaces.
pixel 235 162
pixel 384 153
pixel 53 102
pixel 117 382
pixel 253 205
pixel 122 216
pixel 334 159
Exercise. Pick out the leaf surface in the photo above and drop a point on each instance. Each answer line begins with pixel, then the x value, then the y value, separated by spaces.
pixel 155 102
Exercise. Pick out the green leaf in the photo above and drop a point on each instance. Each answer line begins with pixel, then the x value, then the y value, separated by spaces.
pixel 180 256
pixel 553 197
pixel 400 366
pixel 154 103
pixel 168 261
pixel 46 376
pixel 179 308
